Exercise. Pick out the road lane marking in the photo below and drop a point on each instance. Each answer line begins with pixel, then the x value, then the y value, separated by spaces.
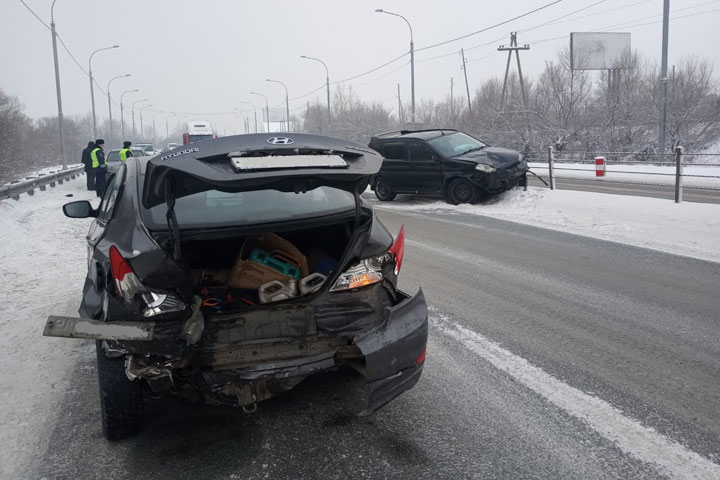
pixel 630 435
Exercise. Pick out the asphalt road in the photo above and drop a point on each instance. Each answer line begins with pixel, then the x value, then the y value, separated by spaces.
pixel 550 356
pixel 690 194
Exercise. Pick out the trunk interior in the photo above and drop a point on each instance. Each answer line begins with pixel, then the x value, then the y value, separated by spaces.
pixel 235 272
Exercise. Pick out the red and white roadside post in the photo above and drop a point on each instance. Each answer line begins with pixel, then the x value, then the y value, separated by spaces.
pixel 600 166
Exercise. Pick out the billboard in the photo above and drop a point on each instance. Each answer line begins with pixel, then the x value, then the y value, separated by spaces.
pixel 598 50
pixel 276 115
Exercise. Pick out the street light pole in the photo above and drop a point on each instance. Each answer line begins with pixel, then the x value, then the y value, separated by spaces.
pixel 110 105
pixel 267 109
pixel 154 134
pixel 287 101
pixel 57 84
pixel 327 83
pixel 412 59
pixel 167 128
pixel 92 89
pixel 254 111
pixel 122 118
pixel 142 130
pixel 663 78
pixel 132 108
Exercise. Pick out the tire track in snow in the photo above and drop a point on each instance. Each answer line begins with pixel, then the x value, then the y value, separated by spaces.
pixel 630 435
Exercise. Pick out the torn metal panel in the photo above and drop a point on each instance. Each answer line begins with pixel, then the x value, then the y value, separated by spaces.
pixel 72 327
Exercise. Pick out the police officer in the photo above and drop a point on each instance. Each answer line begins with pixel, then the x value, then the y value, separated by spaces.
pixel 126 152
pixel 87 161
pixel 98 165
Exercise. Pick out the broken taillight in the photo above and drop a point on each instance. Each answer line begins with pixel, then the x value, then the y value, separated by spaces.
pixel 128 285
pixel 398 249
pixel 369 271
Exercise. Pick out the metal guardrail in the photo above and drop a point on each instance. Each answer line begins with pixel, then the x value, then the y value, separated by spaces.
pixel 678 155
pixel 40 182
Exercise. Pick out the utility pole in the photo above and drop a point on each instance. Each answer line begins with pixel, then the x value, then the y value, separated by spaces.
pixel 452 113
pixel 663 77
pixel 467 87
pixel 514 48
pixel 57 84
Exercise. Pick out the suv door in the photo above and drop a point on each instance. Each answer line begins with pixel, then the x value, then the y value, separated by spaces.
pixel 395 166
pixel 426 168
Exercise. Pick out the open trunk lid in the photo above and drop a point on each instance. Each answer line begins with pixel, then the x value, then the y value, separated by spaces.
pixel 286 162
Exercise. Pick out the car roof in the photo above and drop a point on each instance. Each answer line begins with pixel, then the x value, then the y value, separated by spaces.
pixel 417 134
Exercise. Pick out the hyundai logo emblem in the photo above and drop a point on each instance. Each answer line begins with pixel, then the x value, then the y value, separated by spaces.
pixel 280 141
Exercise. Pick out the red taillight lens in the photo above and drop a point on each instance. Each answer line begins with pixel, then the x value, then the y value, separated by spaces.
pixel 119 266
pixel 398 249
pixel 421 359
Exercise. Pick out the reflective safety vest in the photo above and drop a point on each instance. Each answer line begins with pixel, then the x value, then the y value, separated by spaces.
pixel 124 154
pixel 94 157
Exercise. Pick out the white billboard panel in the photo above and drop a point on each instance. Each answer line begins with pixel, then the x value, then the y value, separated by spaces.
pixel 597 50
pixel 276 115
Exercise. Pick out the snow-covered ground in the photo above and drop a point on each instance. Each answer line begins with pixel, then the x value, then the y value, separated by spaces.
pixel 42 267
pixel 691 229
pixel 693 175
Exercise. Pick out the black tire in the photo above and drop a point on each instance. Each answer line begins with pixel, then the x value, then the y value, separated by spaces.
pixel 121 401
pixel 384 191
pixel 461 191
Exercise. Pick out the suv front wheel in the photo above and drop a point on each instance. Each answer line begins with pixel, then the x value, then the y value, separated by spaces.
pixel 121 401
pixel 384 191
pixel 461 190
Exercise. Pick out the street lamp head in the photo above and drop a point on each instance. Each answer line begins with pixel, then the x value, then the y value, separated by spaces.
pixel 116 46
pixel 303 56
pixel 128 75
pixel 380 10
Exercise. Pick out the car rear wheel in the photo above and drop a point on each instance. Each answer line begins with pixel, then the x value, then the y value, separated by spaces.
pixel 121 401
pixel 384 191
pixel 461 191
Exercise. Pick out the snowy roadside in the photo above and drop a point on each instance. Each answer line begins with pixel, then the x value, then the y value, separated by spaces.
pixel 690 229
pixel 664 175
pixel 42 171
pixel 42 265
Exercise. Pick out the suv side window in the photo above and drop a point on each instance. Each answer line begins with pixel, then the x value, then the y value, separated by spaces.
pixel 394 151
pixel 419 152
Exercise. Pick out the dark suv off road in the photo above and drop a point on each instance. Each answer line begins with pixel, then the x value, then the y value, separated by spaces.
pixel 445 162
pixel 231 270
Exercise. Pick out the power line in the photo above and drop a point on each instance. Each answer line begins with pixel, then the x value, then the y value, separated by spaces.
pixel 371 71
pixel 36 15
pixel 490 27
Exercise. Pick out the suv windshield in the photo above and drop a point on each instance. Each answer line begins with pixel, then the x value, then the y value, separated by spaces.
pixel 214 208
pixel 455 144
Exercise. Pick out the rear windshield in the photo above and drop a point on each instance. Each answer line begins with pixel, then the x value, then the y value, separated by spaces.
pixel 199 137
pixel 222 209
pixel 112 156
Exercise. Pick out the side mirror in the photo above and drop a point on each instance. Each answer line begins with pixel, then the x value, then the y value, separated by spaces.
pixel 79 209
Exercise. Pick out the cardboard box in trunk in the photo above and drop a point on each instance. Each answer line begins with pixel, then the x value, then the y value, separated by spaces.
pixel 249 274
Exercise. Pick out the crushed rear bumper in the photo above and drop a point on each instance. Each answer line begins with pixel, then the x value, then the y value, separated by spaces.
pixel 392 351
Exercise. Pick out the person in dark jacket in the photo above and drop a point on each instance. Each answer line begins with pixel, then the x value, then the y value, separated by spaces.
pixel 97 155
pixel 87 161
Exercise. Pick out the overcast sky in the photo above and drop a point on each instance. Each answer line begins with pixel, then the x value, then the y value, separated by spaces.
pixel 205 57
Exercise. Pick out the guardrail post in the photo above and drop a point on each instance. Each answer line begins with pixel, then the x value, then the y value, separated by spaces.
pixel 679 150
pixel 551 166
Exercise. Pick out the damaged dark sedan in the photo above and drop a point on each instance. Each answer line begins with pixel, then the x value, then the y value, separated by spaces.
pixel 229 272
